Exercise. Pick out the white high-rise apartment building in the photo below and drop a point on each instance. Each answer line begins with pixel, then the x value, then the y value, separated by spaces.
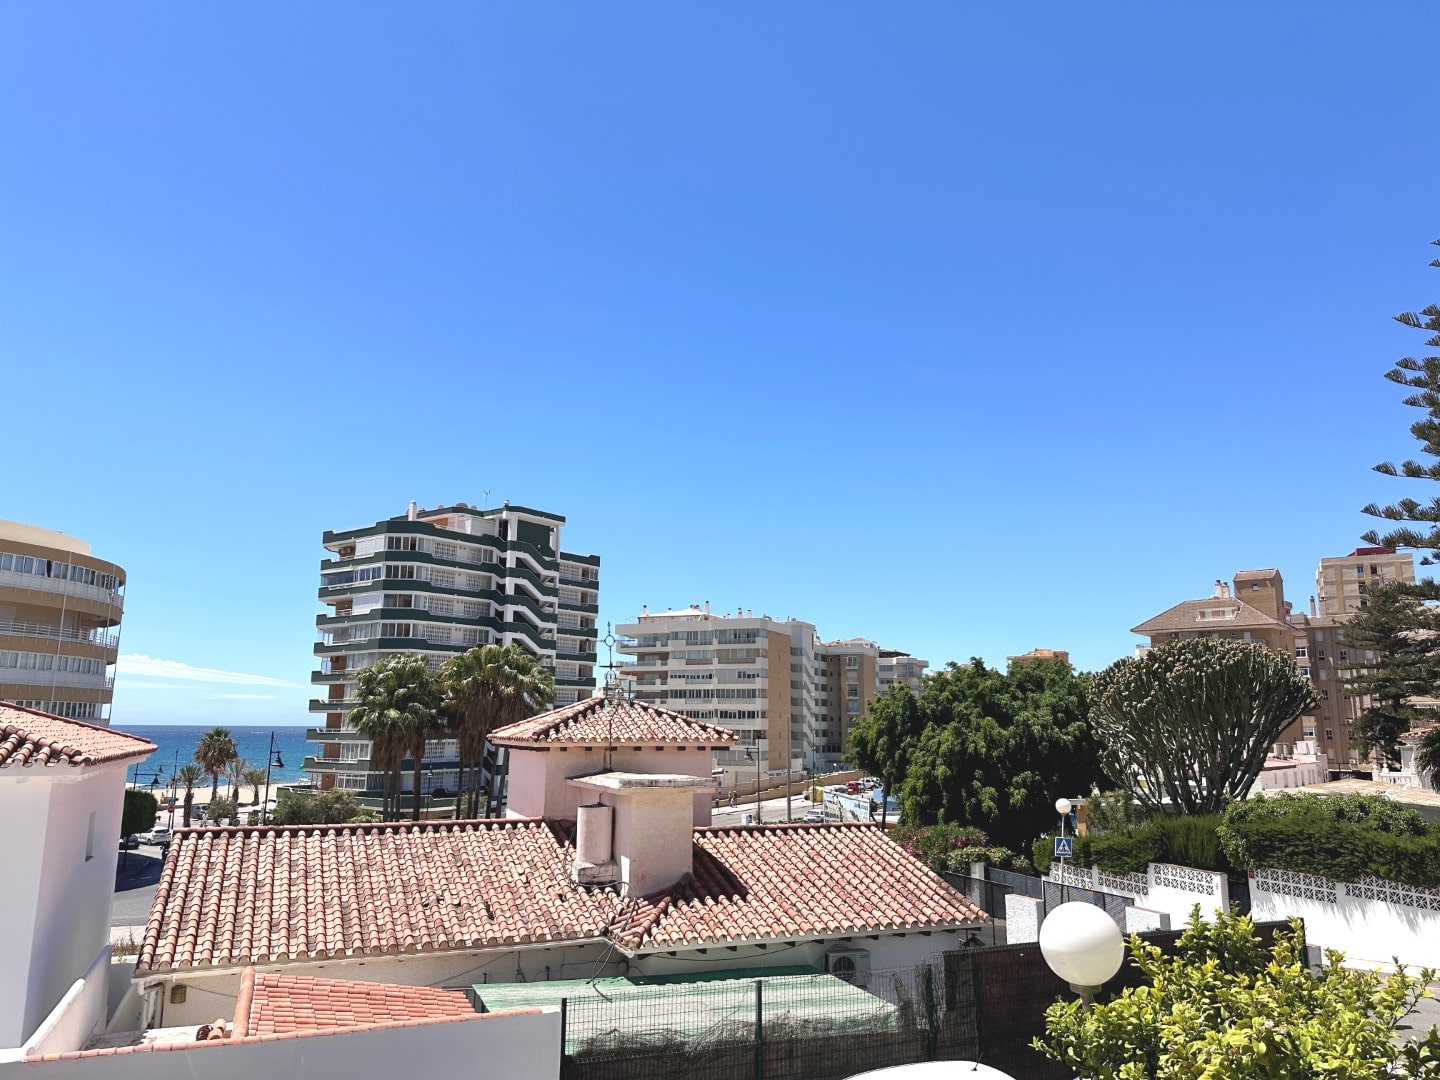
pixel 789 696
pixel 438 582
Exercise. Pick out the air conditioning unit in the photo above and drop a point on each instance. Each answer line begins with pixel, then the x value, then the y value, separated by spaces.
pixel 850 964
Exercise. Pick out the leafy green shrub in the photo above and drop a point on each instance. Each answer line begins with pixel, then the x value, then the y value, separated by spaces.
pixel 951 848
pixel 1125 852
pixel 1112 812
pixel 221 811
pixel 1342 839
pixel 1184 840
pixel 138 814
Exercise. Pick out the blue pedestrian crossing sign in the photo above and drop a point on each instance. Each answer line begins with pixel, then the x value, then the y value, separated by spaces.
pixel 1064 847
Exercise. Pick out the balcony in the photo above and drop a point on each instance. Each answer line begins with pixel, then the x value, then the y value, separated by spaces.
pixel 16 580
pixel 97 638
pixel 327 735
pixel 74 680
pixel 331 676
pixel 329 705
pixel 335 765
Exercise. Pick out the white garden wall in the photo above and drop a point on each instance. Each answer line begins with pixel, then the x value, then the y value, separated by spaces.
pixel 1371 920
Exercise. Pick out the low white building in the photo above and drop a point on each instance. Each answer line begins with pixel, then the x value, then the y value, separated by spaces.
pixel 1297 766
pixel 62 786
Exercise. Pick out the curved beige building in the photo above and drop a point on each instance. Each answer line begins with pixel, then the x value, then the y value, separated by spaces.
pixel 60 611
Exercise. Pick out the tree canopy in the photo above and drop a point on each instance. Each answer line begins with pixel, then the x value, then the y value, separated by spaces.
pixel 1225 1005
pixel 881 740
pixel 998 748
pixel 1423 377
pixel 396 702
pixel 138 812
pixel 1399 631
pixel 1187 727
pixel 214 753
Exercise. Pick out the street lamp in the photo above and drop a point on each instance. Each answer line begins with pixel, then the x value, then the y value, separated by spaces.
pixel 272 760
pixel 1083 946
pixel 1062 807
pixel 755 757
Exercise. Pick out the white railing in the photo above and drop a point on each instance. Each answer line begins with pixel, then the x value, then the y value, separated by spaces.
pixel 58 633
pixel 17 580
pixel 41 679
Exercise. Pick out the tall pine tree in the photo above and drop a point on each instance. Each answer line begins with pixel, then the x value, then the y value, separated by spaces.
pixel 1400 625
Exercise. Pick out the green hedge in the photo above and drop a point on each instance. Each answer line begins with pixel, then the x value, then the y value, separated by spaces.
pixel 1342 839
pixel 1186 841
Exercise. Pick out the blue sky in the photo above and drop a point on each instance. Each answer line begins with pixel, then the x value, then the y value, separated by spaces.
pixel 968 328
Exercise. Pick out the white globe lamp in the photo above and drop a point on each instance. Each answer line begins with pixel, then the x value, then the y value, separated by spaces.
pixel 1082 945
pixel 1062 807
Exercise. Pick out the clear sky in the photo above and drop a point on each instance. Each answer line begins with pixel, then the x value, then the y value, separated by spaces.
pixel 966 327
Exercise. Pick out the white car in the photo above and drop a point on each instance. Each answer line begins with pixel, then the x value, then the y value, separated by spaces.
pixel 158 835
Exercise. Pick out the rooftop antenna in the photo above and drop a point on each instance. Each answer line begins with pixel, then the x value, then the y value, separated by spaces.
pixel 614 692
pixel 487 498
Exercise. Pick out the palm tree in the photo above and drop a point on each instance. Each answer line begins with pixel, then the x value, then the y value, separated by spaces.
pixel 420 729
pixel 235 775
pixel 485 688
pixel 395 697
pixel 1427 756
pixel 214 753
pixel 254 777
pixel 189 775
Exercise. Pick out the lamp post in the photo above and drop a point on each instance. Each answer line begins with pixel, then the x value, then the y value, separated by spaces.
pixel 1083 946
pixel 755 757
pixel 272 760
pixel 1062 807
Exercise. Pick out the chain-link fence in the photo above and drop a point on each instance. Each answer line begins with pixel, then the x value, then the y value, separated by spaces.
pixel 787 1027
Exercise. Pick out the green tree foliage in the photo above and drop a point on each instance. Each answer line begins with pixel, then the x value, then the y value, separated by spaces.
pixel 1165 838
pixel 881 740
pixel 998 748
pixel 1400 627
pixel 1113 811
pixel 323 808
pixel 223 811
pixel 1423 377
pixel 485 688
pixel 1342 838
pixel 189 775
pixel 1427 756
pixel 214 753
pixel 951 848
pixel 1188 726
pixel 1224 1005
pixel 254 778
pixel 396 698
pixel 138 813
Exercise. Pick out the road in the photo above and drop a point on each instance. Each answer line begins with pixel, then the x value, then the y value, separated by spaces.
pixel 771 810
pixel 136 873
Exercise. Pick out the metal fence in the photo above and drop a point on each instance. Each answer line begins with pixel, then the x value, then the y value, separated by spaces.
pixel 980 1004
pixel 788 1027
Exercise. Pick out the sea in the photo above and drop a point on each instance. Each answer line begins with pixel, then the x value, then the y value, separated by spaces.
pixel 251 742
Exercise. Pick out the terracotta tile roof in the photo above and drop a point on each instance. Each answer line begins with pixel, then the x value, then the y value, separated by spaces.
pixel 238 896
pixel 255 895
pixel 29 737
pixel 595 721
pixel 275 1004
pixel 787 881
pixel 1256 575
pixel 1186 616
pixel 1417 733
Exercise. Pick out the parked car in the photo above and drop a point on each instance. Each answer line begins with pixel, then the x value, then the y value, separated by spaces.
pixel 814 815
pixel 160 834
pixel 129 843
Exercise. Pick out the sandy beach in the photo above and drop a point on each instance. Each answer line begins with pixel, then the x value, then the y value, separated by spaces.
pixel 202 796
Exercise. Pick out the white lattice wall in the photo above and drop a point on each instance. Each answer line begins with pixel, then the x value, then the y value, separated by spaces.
pixel 1369 920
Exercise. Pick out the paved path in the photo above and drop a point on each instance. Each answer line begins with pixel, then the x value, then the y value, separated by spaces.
pixel 136 873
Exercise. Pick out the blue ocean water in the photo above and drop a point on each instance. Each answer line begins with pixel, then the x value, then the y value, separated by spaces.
pixel 175 739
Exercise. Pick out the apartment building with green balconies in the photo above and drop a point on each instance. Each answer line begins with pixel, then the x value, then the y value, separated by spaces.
pixel 438 582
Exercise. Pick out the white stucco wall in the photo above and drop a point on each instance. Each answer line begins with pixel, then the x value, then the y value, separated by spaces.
pixel 523 1046
pixel 79 1013
pixel 1371 921
pixel 56 902
pixel 537 778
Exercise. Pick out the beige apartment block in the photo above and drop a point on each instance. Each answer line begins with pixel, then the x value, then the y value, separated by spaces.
pixel 60 610
pixel 1342 582
pixel 790 697
pixel 1258 611
pixel 1038 655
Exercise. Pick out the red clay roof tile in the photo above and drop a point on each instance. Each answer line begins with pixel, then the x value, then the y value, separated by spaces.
pixel 29 737
pixel 284 1003
pixel 598 722
pixel 238 896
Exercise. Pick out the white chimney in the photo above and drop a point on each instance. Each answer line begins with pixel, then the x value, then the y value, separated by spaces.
pixel 652 840
pixel 707 609
pixel 1219 589
pixel 644 610
pixel 414 510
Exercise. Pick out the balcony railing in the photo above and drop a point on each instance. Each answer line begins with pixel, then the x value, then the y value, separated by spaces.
pixel 17 580
pixel 59 633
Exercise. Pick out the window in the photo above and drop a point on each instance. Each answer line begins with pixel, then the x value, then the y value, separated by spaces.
pixel 1360 571
pixel 1325 694
pixel 1302 652
pixel 1320 655
pixel 1329 735
pixel 1344 654
pixel 1374 570
pixel 1254 586
pixel 1305 670
pixel 852 661
pixel 402 543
